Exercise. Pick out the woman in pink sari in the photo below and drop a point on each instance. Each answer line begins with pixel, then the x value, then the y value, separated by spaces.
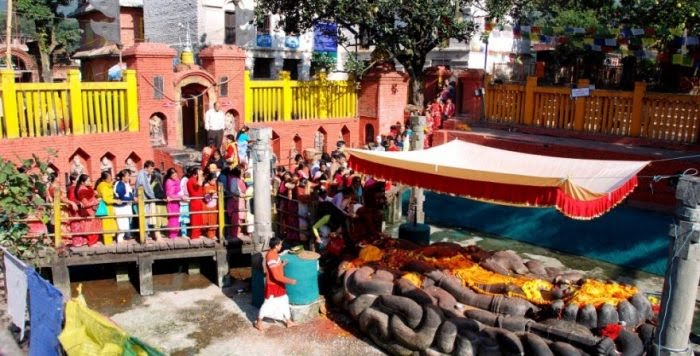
pixel 235 206
pixel 173 194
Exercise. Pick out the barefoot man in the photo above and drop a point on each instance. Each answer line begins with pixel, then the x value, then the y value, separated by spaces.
pixel 276 305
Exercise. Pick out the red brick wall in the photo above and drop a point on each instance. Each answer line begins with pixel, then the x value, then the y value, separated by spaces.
pixel 648 194
pixel 119 144
pixel 306 129
pixel 383 95
pixel 151 60
pixel 227 61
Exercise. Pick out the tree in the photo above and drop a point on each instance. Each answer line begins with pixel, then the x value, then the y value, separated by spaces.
pixel 54 33
pixel 22 192
pixel 403 30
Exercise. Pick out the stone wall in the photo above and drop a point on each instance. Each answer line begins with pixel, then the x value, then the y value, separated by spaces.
pixel 161 20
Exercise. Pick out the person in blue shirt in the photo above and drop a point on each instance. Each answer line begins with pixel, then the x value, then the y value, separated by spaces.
pixel 242 140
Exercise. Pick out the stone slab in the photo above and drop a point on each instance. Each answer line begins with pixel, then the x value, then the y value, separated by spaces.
pixel 307 312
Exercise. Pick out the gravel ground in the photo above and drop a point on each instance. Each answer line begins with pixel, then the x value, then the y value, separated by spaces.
pixel 209 321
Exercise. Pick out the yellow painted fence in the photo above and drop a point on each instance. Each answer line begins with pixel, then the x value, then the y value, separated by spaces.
pixel 662 117
pixel 70 108
pixel 286 100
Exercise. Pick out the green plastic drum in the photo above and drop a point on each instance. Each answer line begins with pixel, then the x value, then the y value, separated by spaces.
pixel 306 272
pixel 416 233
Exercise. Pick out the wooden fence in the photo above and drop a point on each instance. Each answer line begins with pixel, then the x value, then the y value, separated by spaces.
pixel 70 108
pixel 661 117
pixel 285 99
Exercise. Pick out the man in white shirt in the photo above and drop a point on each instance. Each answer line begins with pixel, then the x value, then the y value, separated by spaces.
pixel 215 123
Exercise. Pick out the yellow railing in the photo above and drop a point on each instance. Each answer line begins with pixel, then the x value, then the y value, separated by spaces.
pixel 70 108
pixel 665 117
pixel 285 99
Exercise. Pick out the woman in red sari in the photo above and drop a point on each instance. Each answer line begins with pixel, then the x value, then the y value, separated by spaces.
pixel 210 204
pixel 195 188
pixel 87 206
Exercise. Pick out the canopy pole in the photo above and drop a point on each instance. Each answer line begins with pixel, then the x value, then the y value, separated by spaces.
pixel 417 196
pixel 682 273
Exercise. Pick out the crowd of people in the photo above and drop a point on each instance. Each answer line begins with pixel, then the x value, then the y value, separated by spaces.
pixel 106 210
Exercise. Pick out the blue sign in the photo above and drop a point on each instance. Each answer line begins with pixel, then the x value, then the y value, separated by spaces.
pixel 291 42
pixel 326 37
pixel 264 40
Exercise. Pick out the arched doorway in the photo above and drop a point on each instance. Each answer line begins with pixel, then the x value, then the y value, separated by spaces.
pixel 369 133
pixel 320 142
pixel 193 106
pixel 196 90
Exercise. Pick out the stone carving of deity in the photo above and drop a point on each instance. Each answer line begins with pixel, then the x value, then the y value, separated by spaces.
pixel 230 128
pixel 106 165
pixel 130 165
pixel 156 131
pixel 77 167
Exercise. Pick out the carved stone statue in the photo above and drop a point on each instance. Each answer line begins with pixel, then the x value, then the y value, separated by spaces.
pixel 106 165
pixel 156 131
pixel 130 165
pixel 230 122
pixel 77 167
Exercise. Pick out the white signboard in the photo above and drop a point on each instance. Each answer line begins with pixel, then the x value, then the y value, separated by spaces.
pixel 580 92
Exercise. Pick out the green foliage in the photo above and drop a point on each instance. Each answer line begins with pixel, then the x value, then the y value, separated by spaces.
pixel 355 67
pixel 407 30
pixel 322 61
pixel 22 192
pixel 53 32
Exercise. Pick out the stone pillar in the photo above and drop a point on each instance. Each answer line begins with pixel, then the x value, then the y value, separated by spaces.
pixel 682 274
pixel 262 202
pixel 417 139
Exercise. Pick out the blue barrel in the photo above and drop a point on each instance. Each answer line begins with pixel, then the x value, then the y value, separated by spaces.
pixel 305 271
pixel 257 286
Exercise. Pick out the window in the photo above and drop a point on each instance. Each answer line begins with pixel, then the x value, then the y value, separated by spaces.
pixel 157 87
pixel 223 87
pixel 230 27
pixel 292 66
pixel 262 68
pixel 264 25
pixel 138 29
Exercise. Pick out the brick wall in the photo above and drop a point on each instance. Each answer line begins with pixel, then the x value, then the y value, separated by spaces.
pixel 383 96
pixel 91 148
pixel 227 61
pixel 306 130
pixel 152 60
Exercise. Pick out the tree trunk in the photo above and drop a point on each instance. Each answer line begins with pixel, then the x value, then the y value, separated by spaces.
pixel 417 90
pixel 46 74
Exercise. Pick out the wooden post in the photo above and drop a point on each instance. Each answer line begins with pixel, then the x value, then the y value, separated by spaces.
pixel 222 211
pixel 640 89
pixel 247 98
pixel 57 238
pixel 60 276
pixel 76 102
pixel 132 108
pixel 9 103
pixel 580 107
pixel 529 112
pixel 287 103
pixel 142 215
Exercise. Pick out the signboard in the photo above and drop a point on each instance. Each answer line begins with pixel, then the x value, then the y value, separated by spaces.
pixel 325 37
pixel 291 42
pixel 264 40
pixel 580 92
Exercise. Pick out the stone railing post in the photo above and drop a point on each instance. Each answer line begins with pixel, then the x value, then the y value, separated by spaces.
pixel 682 274
pixel 417 196
pixel 262 203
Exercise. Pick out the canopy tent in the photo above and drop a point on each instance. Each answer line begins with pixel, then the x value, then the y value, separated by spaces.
pixel 579 188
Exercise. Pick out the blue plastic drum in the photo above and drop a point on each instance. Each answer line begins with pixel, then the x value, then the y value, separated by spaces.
pixel 305 271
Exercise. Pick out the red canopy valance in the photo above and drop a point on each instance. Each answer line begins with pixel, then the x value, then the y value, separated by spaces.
pixel 579 188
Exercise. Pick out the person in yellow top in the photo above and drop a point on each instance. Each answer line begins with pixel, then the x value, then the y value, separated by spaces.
pixel 105 191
